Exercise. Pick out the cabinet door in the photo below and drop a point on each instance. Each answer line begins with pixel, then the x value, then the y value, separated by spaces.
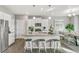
pixel 11 38
pixel 12 30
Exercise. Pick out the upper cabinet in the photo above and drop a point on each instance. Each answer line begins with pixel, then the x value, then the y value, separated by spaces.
pixel 38 25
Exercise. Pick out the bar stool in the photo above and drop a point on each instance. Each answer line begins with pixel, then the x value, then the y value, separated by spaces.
pixel 28 44
pixel 41 44
pixel 35 44
pixel 55 44
pixel 48 44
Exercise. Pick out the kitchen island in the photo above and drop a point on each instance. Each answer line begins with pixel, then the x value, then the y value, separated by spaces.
pixel 46 37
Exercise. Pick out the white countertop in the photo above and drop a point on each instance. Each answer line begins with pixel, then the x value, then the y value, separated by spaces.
pixel 54 36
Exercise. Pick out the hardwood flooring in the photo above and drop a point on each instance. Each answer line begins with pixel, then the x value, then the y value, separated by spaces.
pixel 17 47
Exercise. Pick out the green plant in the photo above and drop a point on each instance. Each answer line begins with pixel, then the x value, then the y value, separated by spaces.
pixel 70 27
pixel 31 28
pixel 50 30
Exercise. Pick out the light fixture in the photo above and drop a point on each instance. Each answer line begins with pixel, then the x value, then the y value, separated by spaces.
pixel 49 17
pixel 34 5
pixel 41 9
pixel 34 17
pixel 50 9
pixel 71 14
pixel 49 5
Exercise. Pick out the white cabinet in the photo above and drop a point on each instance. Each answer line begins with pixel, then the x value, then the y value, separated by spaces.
pixel 11 29
pixel 43 24
pixel 11 38
pixel 59 25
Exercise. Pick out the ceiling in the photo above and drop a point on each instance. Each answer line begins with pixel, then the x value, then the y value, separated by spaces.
pixel 46 10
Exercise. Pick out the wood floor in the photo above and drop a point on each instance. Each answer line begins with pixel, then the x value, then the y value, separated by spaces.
pixel 17 47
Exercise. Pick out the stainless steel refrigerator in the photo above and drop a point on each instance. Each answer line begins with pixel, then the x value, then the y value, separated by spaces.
pixel 3 35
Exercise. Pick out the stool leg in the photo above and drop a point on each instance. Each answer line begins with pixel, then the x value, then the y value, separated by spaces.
pixel 54 47
pixel 50 46
pixel 31 46
pixel 39 46
pixel 45 46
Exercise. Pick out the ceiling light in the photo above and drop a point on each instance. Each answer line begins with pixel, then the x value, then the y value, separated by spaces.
pixel 33 5
pixel 49 5
pixel 50 9
pixel 69 15
pixel 75 9
pixel 49 17
pixel 34 17
pixel 41 9
pixel 71 10
pixel 73 14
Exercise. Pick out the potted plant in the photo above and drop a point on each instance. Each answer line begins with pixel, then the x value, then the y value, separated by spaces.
pixel 69 27
pixel 31 29
pixel 50 30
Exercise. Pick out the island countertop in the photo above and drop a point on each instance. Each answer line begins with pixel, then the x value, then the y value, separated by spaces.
pixel 54 36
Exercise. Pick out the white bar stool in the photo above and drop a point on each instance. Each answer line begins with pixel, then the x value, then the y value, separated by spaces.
pixel 55 44
pixel 48 44
pixel 41 44
pixel 28 44
pixel 35 44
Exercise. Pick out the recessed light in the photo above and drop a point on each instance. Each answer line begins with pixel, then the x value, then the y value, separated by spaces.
pixel 34 17
pixel 34 5
pixel 71 10
pixel 49 17
pixel 41 9
pixel 50 9
pixel 69 15
pixel 73 14
pixel 49 5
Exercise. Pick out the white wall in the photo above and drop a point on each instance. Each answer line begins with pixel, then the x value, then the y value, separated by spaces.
pixel 76 24
pixel 59 23
pixel 20 25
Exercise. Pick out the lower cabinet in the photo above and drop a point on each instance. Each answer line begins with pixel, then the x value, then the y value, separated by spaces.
pixel 11 38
